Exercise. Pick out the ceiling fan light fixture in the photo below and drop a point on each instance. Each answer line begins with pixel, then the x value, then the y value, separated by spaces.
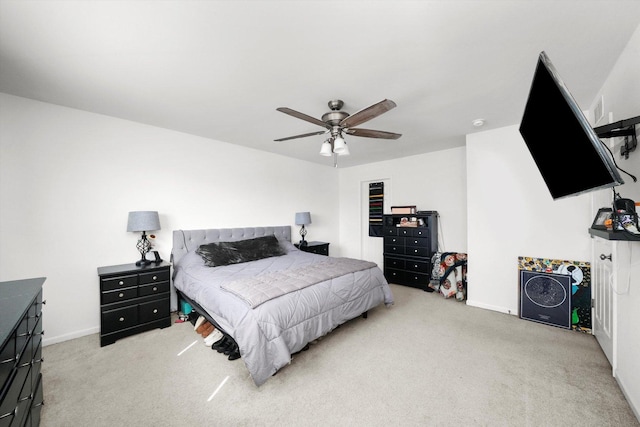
pixel 338 144
pixel 345 151
pixel 325 150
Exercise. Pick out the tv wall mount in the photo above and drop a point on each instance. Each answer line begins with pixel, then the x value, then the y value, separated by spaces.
pixel 626 128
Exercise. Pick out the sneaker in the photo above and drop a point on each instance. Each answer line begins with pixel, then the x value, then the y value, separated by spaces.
pixel 213 337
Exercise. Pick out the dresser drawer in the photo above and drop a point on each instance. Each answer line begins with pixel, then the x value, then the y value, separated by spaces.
pixel 154 310
pixel 118 282
pixel 393 240
pixel 417 266
pixel 394 276
pixel 121 318
pixel 396 263
pixel 153 288
pixel 417 241
pixel 420 232
pixel 154 276
pixel 417 251
pixel 394 249
pixel 7 359
pixel 390 231
pixel 119 295
pixel 416 279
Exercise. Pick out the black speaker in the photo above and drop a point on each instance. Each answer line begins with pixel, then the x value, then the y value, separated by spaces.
pixel 546 298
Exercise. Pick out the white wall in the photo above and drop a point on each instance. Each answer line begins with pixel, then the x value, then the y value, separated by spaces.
pixel 434 181
pixel 511 214
pixel 621 93
pixel 68 178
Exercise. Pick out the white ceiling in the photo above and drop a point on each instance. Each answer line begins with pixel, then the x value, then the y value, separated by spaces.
pixel 219 69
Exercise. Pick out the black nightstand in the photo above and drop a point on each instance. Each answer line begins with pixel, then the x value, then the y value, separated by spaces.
pixel 320 248
pixel 133 299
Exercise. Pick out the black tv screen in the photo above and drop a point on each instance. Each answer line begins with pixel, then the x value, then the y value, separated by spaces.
pixel 567 151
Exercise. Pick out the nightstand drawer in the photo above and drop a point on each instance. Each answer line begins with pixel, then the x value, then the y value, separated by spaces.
pixel 154 310
pixel 154 276
pixel 119 295
pixel 153 288
pixel 118 282
pixel 120 318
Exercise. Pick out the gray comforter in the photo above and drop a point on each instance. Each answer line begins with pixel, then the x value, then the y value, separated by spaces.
pixel 270 332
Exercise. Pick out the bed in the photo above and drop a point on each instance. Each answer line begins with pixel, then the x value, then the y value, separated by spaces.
pixel 272 306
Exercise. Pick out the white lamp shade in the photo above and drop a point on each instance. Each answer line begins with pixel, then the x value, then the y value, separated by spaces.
pixel 303 218
pixel 325 150
pixel 143 221
pixel 338 145
pixel 345 151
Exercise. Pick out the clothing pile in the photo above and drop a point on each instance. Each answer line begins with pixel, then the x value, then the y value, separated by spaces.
pixel 449 274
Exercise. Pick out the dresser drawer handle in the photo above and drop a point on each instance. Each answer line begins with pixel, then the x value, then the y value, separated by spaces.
pixel 155 277
pixel 155 288
pixel 155 310
pixel 415 265
pixel 120 294
pixel 121 319
pixel 121 282
pixel 415 250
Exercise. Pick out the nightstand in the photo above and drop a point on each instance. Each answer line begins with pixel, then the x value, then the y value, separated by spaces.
pixel 133 299
pixel 320 248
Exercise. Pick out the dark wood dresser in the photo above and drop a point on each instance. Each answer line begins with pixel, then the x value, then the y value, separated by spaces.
pixel 21 393
pixel 408 250
pixel 133 299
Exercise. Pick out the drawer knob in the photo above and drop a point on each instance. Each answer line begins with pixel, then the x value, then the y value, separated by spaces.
pixel 120 294
pixel 155 277
pixel 121 319
pixel 155 288
pixel 155 310
pixel 121 282
pixel 415 250
pixel 415 265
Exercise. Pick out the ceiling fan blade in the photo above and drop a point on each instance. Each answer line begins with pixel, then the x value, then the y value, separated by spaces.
pixel 304 135
pixel 303 116
pixel 368 113
pixel 368 133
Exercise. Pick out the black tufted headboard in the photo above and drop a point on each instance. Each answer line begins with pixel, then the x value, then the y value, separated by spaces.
pixel 185 241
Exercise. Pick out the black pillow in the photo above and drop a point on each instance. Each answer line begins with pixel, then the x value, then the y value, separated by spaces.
pixel 226 253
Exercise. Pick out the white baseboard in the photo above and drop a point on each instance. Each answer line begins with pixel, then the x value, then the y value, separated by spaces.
pixel 490 307
pixel 70 336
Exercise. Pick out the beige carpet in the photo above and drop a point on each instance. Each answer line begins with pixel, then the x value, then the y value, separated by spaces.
pixel 426 361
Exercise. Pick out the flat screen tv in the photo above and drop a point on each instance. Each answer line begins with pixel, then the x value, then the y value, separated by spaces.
pixel 565 148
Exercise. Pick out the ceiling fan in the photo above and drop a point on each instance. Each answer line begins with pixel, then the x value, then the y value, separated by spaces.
pixel 338 122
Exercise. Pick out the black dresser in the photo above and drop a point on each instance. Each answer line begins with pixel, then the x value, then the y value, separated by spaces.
pixel 21 393
pixel 133 299
pixel 408 250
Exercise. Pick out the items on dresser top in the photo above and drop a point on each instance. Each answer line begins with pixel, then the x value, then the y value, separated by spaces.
pixel 133 299
pixel 21 393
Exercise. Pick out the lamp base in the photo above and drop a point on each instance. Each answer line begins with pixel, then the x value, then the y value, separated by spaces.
pixel 142 262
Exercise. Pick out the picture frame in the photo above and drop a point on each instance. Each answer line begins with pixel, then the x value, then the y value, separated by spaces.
pixel 602 215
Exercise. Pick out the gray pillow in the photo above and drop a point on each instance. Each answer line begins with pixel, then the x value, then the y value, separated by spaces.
pixel 226 253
